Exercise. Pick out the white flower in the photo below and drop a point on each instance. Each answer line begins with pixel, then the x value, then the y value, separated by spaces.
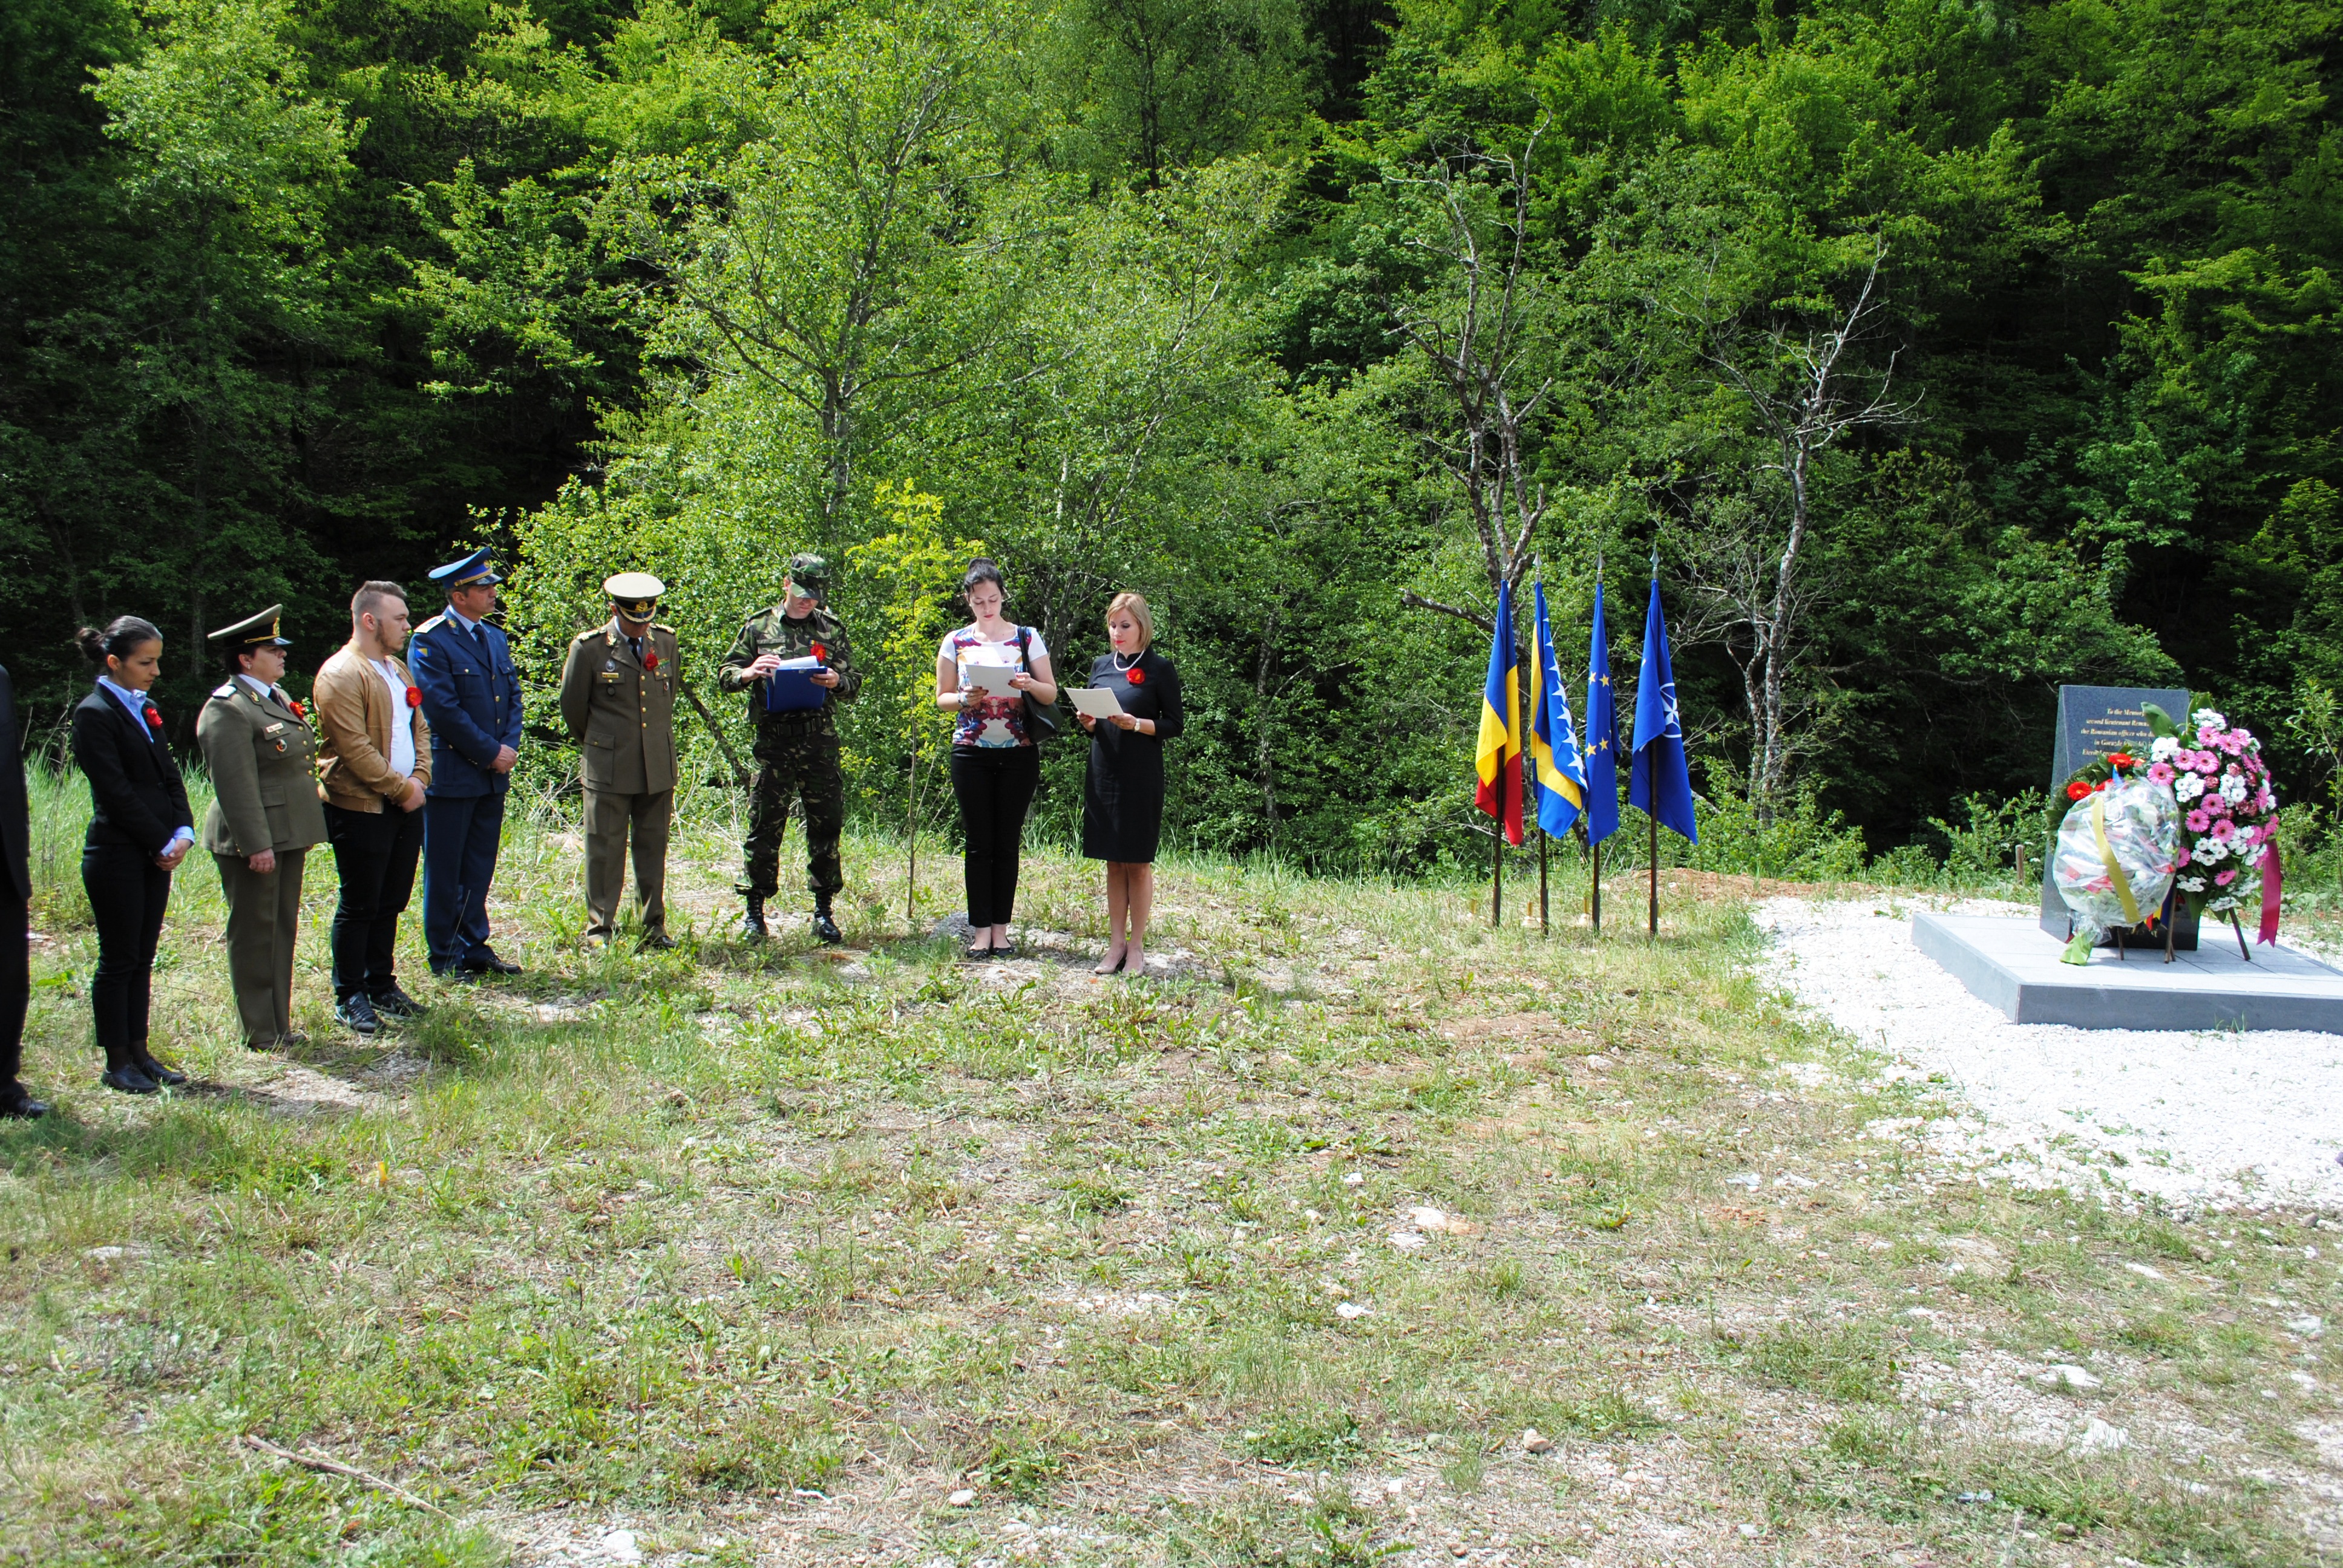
pixel 2222 906
pixel 2233 790
pixel 2188 786
pixel 2192 884
pixel 2212 851
pixel 2207 718
pixel 2166 748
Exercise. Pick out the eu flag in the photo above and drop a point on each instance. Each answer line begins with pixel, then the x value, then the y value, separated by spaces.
pixel 1659 784
pixel 1497 757
pixel 1553 742
pixel 1601 734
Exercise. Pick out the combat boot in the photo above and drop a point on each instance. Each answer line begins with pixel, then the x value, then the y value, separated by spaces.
pixel 825 929
pixel 752 924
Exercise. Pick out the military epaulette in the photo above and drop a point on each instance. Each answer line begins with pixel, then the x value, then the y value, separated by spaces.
pixel 662 626
pixel 226 689
pixel 428 624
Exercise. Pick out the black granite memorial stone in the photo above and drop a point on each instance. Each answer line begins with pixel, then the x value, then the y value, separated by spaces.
pixel 2094 720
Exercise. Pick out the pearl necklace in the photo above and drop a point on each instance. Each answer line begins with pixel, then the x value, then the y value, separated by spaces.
pixel 1115 659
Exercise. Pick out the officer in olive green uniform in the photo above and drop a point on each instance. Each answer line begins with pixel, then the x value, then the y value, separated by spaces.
pixel 797 752
pixel 263 818
pixel 617 700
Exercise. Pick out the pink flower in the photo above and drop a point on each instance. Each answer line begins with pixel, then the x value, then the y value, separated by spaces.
pixel 2183 857
pixel 2198 821
pixel 2159 773
pixel 2225 830
pixel 2215 807
pixel 2206 762
pixel 2223 878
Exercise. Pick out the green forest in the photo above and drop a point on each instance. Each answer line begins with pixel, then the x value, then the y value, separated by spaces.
pixel 1943 351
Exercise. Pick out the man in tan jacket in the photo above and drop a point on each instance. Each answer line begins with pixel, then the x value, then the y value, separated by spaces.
pixel 617 700
pixel 374 766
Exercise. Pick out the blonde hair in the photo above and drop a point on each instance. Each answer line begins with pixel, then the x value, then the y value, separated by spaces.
pixel 1137 607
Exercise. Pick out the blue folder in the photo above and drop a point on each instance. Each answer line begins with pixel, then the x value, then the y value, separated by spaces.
pixel 791 687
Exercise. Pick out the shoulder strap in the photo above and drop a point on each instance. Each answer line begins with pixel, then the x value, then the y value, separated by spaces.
pixel 1024 660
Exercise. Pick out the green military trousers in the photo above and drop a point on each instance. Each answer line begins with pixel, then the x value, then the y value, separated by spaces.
pixel 799 765
pixel 264 918
pixel 612 821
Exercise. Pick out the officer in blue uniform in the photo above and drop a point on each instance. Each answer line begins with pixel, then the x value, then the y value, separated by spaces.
pixel 471 699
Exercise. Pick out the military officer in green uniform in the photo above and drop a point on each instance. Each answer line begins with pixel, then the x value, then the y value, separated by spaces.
pixel 263 818
pixel 617 700
pixel 796 751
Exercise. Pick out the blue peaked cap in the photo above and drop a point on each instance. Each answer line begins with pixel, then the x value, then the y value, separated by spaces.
pixel 470 572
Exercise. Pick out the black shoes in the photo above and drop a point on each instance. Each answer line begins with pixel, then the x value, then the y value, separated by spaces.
pixel 752 924
pixel 355 1013
pixel 825 929
pixel 16 1105
pixel 396 1006
pixel 126 1073
pixel 655 942
pixel 162 1077
pixel 485 962
pixel 128 1080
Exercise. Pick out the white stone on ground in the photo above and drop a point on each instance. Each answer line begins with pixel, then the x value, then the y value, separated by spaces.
pixel 2190 1117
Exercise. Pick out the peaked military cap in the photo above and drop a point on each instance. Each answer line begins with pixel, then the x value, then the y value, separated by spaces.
pixel 635 593
pixel 472 571
pixel 253 631
pixel 810 575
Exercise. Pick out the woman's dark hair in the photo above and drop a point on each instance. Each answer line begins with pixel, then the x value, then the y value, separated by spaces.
pixel 122 636
pixel 981 571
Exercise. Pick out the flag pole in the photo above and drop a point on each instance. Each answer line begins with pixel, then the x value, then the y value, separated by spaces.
pixel 1652 785
pixel 1497 874
pixel 1656 875
pixel 1595 887
pixel 1595 897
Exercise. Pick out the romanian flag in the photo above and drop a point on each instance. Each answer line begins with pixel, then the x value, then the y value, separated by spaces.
pixel 1554 741
pixel 1498 758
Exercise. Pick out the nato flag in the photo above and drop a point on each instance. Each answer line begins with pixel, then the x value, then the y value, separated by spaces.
pixel 1601 734
pixel 1659 783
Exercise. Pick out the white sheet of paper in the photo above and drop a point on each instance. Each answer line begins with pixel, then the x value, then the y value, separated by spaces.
pixel 1094 701
pixel 992 678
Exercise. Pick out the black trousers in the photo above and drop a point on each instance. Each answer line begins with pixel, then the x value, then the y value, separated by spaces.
pixel 375 854
pixel 127 894
pixel 16 986
pixel 994 786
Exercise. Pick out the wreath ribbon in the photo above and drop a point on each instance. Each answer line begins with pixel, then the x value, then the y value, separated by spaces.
pixel 2107 859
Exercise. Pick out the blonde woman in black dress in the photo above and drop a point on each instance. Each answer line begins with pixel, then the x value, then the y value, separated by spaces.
pixel 1122 791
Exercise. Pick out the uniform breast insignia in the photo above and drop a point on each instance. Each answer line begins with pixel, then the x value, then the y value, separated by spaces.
pixel 275 728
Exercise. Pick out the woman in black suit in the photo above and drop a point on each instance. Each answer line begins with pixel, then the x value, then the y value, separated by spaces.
pixel 1122 791
pixel 140 830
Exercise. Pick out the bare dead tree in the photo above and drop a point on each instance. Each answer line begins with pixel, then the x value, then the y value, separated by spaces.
pixel 1807 389
pixel 1480 340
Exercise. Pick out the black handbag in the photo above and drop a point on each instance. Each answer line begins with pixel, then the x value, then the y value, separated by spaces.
pixel 1043 719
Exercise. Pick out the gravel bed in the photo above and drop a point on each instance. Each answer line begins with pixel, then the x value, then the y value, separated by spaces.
pixel 2205 1118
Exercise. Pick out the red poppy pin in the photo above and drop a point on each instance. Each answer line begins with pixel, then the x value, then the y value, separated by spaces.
pixel 820 654
pixel 651 659
pixel 1136 676
pixel 414 697
pixel 295 704
pixel 154 717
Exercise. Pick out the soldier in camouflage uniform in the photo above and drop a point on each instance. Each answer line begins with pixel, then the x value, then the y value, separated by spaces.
pixel 796 753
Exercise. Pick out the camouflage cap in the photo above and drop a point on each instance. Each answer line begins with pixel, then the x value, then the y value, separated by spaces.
pixel 810 575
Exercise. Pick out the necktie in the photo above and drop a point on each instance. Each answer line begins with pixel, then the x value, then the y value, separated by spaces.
pixel 636 644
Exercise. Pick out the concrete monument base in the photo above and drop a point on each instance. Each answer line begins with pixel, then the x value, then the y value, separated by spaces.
pixel 2014 965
